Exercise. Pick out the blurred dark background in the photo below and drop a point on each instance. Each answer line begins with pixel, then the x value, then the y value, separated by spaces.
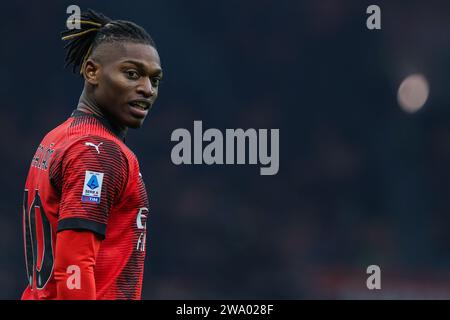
pixel 361 180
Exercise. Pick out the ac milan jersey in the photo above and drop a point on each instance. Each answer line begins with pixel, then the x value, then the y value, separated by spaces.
pixel 83 177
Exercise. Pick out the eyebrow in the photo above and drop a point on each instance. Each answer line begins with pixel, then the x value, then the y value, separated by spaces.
pixel 143 67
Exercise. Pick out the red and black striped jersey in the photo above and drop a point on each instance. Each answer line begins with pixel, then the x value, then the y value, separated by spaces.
pixel 83 176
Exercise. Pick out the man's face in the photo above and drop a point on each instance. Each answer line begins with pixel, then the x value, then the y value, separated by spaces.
pixel 126 81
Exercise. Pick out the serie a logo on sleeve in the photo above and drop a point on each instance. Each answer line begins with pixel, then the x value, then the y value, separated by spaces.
pixel 92 188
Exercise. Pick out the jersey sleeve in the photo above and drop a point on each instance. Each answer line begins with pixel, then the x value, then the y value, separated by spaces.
pixel 76 254
pixel 94 173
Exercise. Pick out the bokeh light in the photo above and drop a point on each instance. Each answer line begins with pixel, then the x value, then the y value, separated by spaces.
pixel 413 93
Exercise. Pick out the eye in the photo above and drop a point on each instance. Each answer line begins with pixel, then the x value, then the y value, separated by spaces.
pixel 156 81
pixel 132 74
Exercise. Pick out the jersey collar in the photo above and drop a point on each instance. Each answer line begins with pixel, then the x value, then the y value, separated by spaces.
pixel 105 122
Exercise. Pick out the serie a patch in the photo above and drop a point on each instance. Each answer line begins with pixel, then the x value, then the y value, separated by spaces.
pixel 92 188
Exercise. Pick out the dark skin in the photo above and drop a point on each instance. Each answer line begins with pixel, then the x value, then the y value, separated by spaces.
pixel 117 75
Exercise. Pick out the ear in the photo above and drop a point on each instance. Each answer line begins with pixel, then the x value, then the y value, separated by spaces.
pixel 91 72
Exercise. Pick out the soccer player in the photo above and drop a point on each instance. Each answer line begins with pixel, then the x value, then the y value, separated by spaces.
pixel 85 206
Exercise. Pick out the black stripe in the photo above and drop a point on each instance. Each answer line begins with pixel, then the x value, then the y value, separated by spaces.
pixel 82 224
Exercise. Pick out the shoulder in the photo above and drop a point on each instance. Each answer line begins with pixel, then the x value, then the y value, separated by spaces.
pixel 96 147
pixel 92 151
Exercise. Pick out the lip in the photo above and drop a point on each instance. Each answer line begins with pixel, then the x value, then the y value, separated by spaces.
pixel 147 103
pixel 138 112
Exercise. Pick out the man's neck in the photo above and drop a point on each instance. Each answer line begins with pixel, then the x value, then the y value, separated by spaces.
pixel 88 105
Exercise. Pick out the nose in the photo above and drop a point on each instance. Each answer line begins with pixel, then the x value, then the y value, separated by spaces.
pixel 146 88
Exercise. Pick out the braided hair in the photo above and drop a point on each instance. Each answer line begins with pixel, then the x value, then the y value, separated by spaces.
pixel 96 28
